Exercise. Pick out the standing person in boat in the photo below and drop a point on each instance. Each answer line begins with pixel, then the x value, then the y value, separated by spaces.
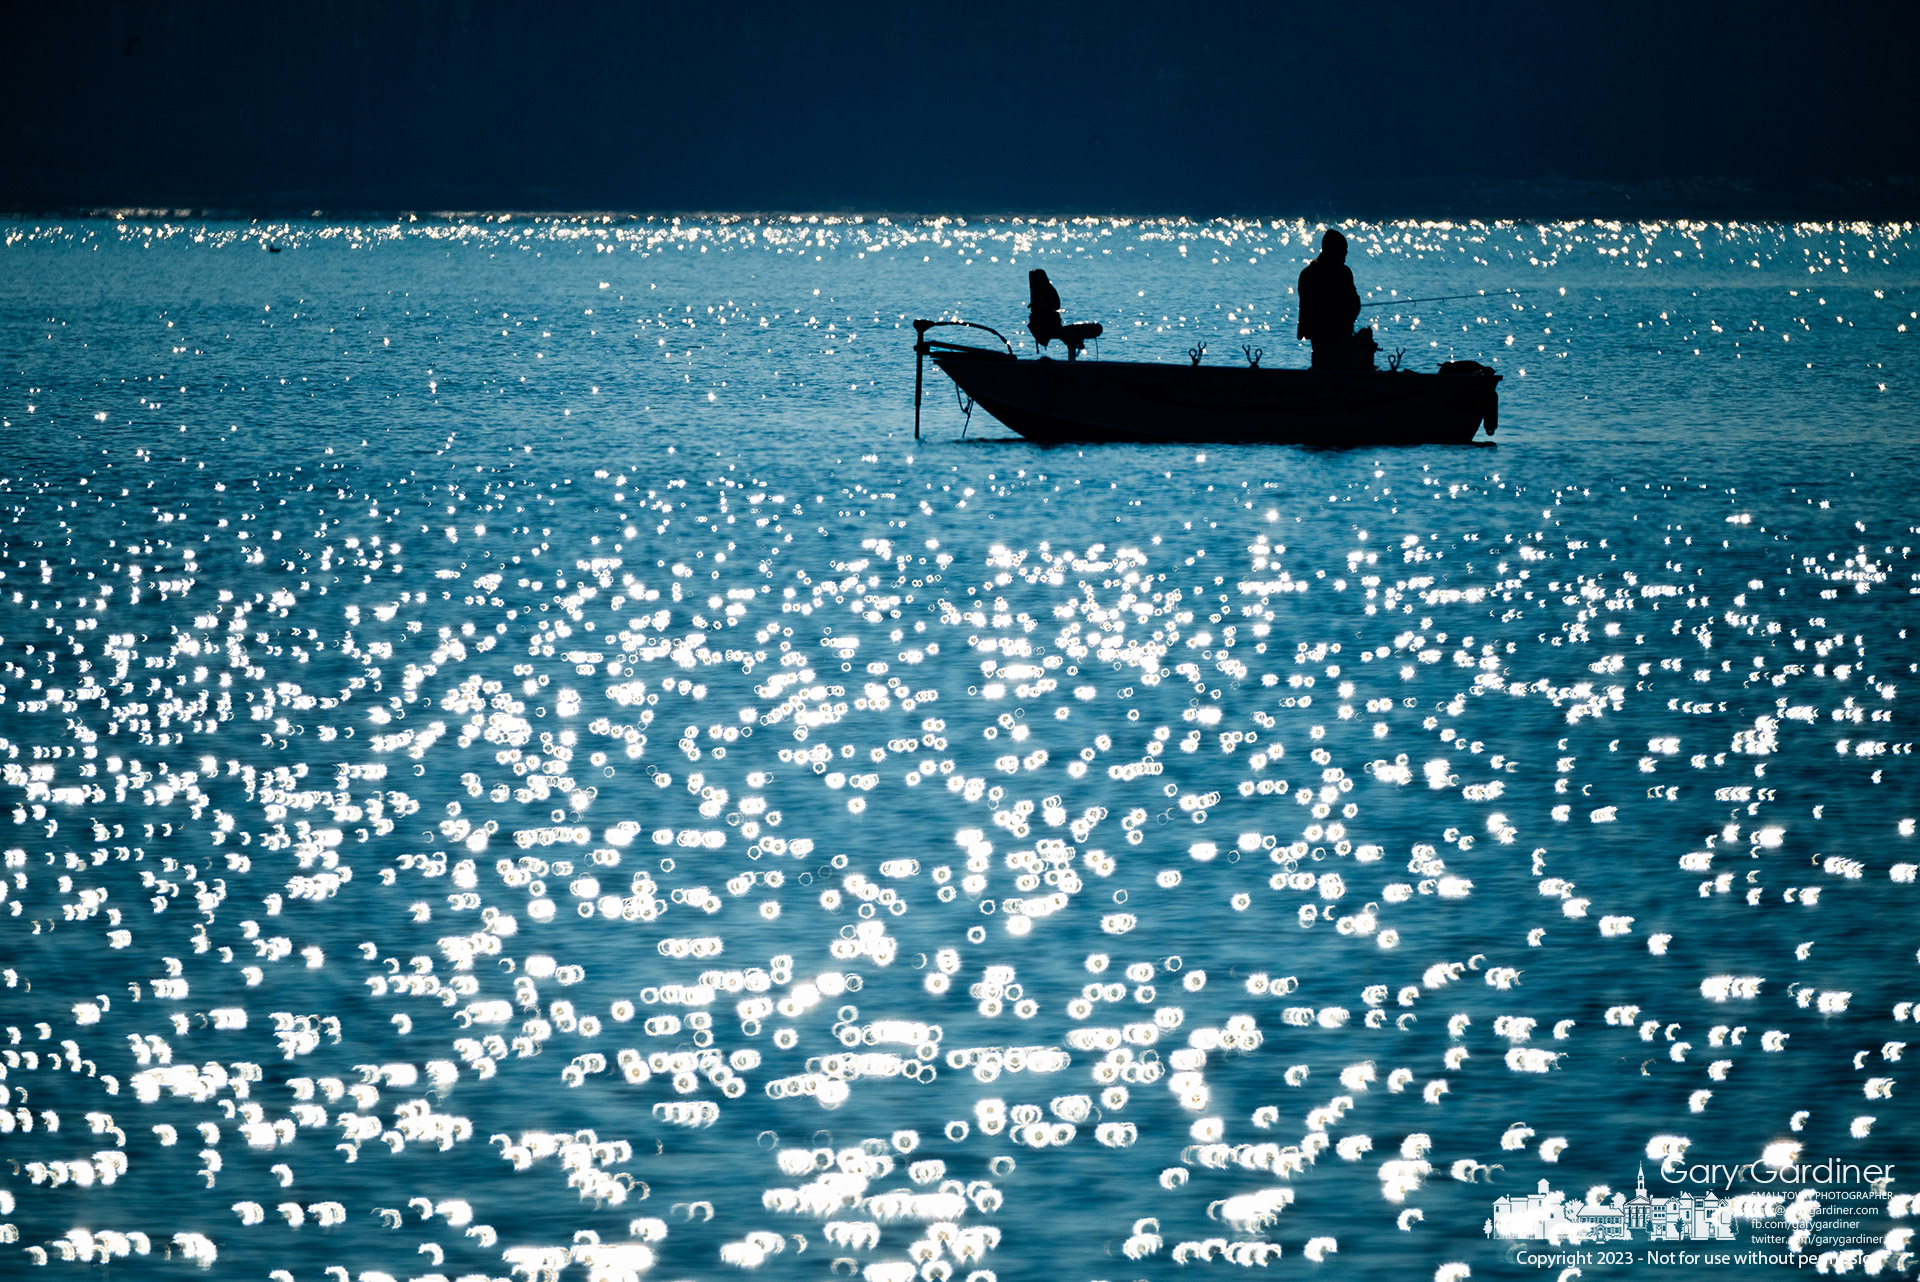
pixel 1329 304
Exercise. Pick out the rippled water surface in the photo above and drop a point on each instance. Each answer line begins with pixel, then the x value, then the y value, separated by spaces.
pixel 516 760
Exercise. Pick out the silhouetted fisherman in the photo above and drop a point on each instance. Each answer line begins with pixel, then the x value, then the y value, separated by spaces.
pixel 1043 317
pixel 1329 304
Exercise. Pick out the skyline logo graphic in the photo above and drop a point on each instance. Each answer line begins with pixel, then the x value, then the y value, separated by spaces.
pixel 1549 1215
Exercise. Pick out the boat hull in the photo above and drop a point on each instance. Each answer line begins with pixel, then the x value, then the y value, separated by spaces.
pixel 1089 400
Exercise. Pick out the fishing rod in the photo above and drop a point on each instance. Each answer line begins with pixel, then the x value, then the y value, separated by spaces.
pixel 1443 298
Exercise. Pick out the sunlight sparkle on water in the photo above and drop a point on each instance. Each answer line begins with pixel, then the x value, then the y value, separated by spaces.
pixel 455 830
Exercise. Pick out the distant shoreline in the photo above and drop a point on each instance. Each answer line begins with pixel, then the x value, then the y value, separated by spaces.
pixel 1879 200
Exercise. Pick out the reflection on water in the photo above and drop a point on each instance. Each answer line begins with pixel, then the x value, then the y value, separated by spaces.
pixel 517 761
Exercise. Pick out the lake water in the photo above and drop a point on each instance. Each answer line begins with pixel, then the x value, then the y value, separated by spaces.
pixel 518 760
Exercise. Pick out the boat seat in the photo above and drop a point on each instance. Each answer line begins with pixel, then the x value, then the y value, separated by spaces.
pixel 1043 318
pixel 1075 336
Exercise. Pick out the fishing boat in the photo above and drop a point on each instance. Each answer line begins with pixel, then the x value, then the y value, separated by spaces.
pixel 1092 400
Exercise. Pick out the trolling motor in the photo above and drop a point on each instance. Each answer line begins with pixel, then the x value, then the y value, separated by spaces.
pixel 924 345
